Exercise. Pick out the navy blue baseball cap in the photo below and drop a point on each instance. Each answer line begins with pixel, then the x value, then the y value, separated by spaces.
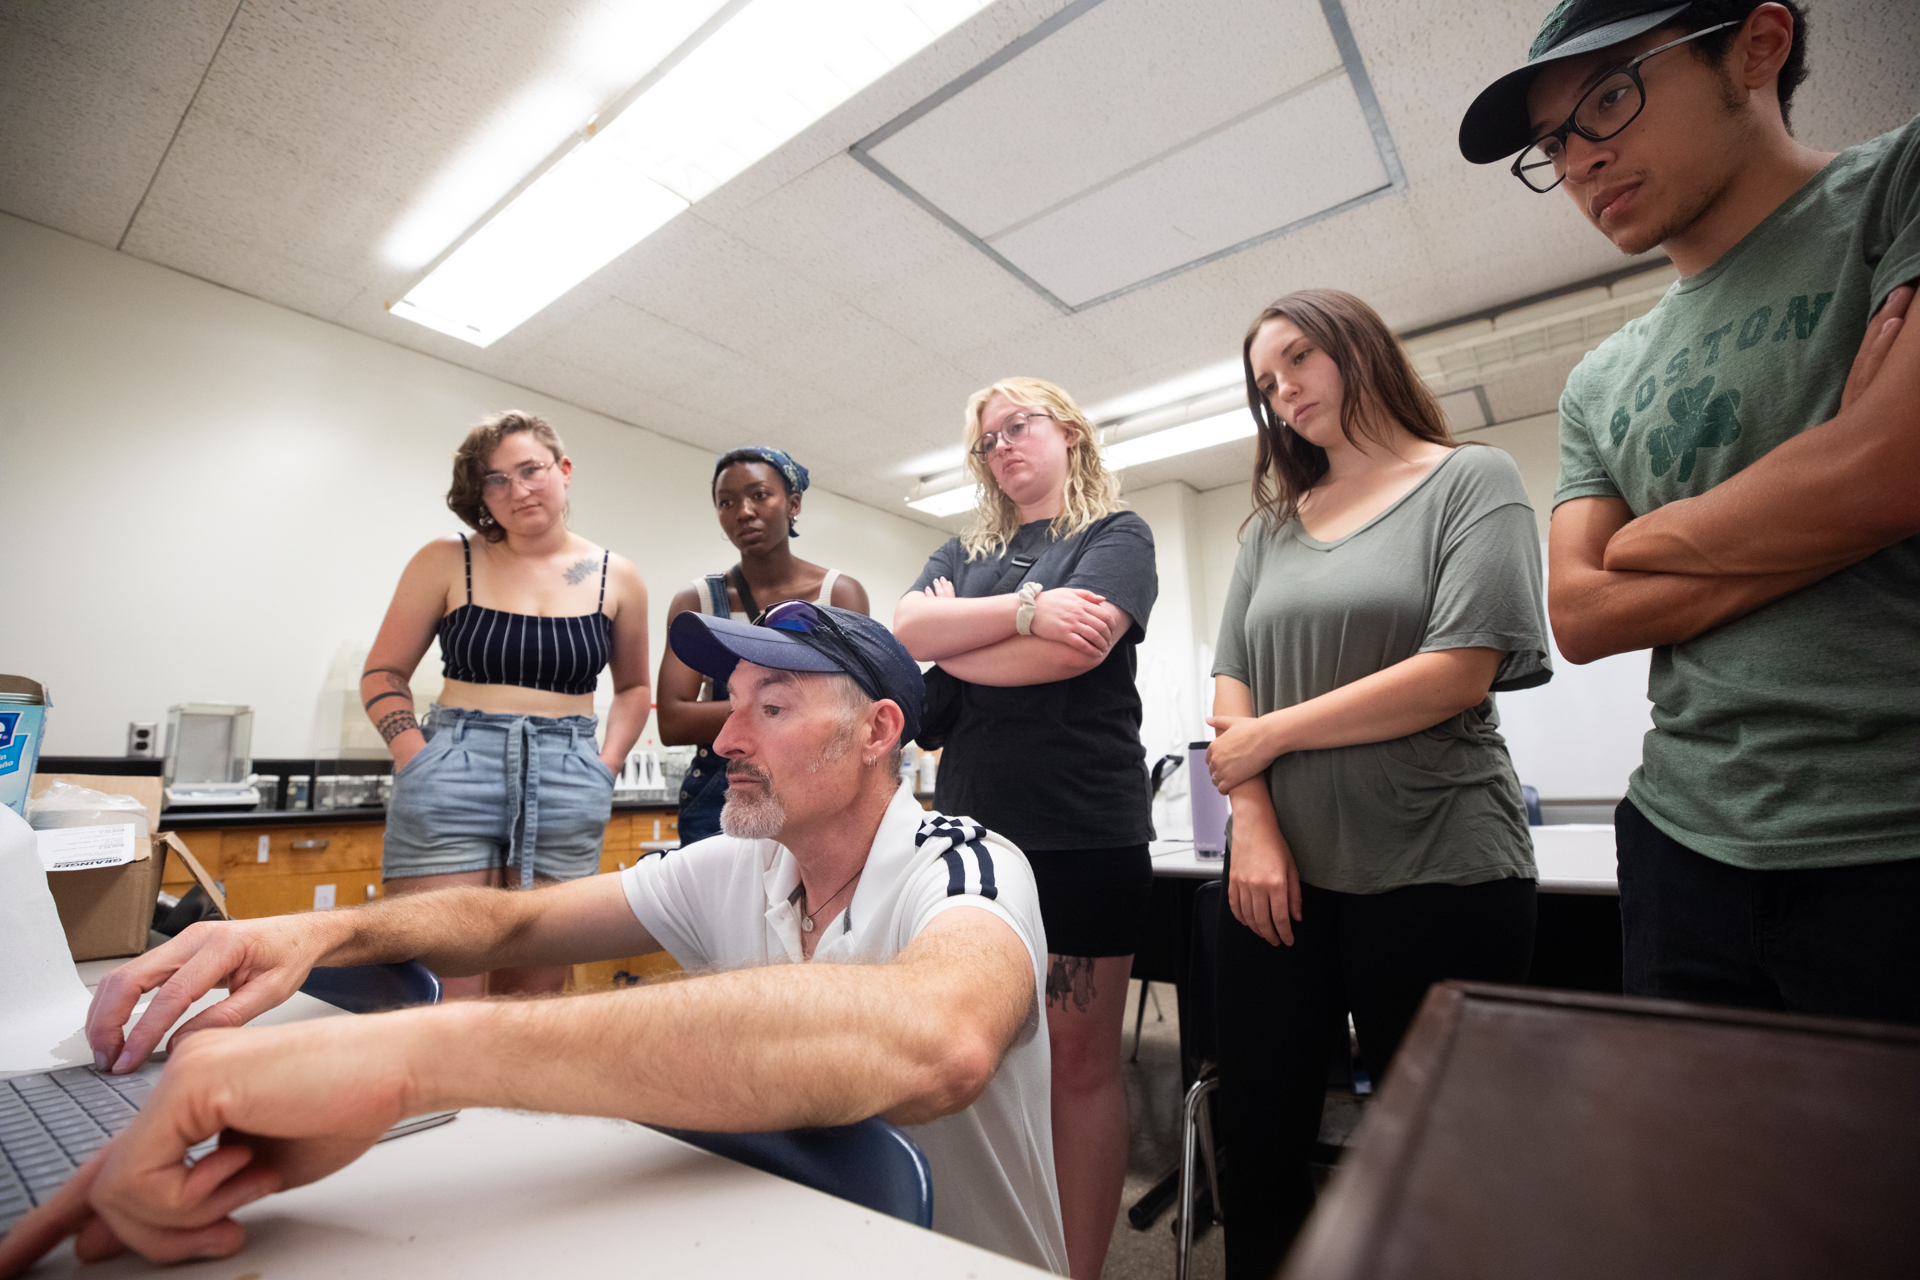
pixel 807 637
pixel 1496 125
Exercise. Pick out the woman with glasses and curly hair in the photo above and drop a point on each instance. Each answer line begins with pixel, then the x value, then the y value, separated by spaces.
pixel 1389 583
pixel 1032 616
pixel 504 784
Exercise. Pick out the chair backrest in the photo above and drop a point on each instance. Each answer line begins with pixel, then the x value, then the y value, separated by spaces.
pixel 374 988
pixel 871 1163
pixel 1531 795
pixel 1197 1038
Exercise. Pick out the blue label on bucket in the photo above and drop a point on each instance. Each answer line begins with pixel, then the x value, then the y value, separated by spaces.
pixel 19 752
pixel 12 742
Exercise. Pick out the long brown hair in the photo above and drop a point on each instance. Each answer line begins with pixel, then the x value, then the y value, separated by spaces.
pixel 1379 388
pixel 465 499
pixel 1092 491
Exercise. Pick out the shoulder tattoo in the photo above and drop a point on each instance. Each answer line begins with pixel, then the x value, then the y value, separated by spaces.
pixel 577 571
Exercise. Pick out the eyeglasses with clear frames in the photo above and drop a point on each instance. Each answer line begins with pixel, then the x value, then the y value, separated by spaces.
pixel 1602 111
pixel 1013 430
pixel 531 476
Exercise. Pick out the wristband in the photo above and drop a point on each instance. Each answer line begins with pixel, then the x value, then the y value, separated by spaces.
pixel 1023 616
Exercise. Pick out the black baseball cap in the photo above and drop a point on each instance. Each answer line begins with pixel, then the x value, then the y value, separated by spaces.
pixel 1496 125
pixel 852 644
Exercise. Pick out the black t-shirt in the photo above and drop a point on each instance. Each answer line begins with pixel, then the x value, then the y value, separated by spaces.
pixel 1060 765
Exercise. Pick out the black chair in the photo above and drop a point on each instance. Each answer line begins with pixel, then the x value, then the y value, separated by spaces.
pixel 373 988
pixel 870 1163
pixel 1199 1043
pixel 1531 797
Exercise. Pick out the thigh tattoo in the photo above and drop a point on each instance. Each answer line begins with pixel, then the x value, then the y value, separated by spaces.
pixel 1070 976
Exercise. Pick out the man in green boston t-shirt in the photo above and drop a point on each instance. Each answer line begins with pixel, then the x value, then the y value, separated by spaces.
pixel 1738 492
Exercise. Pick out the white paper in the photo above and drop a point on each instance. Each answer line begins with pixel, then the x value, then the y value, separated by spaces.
pixel 43 1004
pixel 78 848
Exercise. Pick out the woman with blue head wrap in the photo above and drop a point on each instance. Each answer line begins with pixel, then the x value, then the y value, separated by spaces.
pixel 756 495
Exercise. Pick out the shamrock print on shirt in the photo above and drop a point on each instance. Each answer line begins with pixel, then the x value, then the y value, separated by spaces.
pixel 1701 420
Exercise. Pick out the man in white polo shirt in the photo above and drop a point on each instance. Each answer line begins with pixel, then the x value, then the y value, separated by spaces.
pixel 920 1002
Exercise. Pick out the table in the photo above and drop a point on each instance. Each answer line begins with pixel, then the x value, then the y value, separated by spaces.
pixel 1577 931
pixel 516 1194
pixel 1575 857
pixel 1576 934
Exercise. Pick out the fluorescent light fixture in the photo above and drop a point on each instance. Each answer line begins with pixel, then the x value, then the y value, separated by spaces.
pixel 738 89
pixel 1186 438
pixel 1201 381
pixel 951 502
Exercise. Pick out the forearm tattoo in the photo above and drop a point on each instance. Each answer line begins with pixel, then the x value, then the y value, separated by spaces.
pixel 396 687
pixel 577 572
pixel 395 723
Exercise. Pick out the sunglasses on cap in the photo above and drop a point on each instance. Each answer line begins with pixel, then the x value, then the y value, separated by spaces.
pixel 802 617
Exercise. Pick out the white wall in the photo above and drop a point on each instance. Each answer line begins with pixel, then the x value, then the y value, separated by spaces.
pixel 1175 688
pixel 207 495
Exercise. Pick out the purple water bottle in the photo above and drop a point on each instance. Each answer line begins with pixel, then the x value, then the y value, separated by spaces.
pixel 1209 806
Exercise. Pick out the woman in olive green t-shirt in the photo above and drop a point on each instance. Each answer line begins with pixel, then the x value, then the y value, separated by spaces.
pixel 1387 582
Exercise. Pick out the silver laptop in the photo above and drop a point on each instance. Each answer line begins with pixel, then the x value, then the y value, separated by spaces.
pixel 51 1121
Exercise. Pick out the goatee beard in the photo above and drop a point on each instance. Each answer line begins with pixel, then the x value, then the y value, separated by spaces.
pixel 756 815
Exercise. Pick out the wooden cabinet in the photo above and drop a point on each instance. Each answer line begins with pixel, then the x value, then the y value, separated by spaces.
pixel 626 833
pixel 265 853
pixel 250 897
pixel 277 870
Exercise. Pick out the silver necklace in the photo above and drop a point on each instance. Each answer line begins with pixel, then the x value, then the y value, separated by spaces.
pixel 806 917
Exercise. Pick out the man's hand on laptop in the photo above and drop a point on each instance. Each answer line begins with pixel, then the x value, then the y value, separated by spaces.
pixel 260 962
pixel 291 1104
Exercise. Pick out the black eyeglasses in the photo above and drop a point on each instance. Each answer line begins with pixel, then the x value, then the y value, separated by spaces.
pixel 1014 428
pixel 1602 111
pixel 802 616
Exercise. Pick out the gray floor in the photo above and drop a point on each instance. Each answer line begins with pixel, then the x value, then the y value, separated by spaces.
pixel 1153 1108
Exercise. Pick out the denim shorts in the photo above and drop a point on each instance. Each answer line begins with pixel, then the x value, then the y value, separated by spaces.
pixel 487 789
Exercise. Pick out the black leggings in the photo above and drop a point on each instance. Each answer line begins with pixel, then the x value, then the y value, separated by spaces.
pixel 1279 1007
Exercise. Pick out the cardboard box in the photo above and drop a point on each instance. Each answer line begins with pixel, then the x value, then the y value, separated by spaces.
pixel 108 911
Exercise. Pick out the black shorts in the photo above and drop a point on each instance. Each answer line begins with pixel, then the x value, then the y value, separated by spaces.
pixel 1093 901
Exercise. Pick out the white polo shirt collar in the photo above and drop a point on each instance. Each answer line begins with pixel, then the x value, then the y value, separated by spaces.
pixel 893 847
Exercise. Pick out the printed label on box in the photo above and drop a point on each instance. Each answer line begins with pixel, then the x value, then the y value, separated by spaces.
pixel 77 848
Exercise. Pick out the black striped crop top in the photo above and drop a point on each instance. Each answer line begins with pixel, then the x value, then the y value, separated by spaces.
pixel 491 646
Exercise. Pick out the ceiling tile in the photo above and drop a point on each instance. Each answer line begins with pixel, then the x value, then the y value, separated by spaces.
pixel 808 301
pixel 91 91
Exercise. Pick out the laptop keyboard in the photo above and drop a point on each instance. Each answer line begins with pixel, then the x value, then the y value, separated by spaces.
pixel 50 1123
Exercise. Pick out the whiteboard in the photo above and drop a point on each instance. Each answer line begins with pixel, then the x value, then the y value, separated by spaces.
pixel 1577 737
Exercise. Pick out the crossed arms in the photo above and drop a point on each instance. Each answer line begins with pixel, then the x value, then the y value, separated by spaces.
pixel 974 637
pixel 777 1047
pixel 1826 499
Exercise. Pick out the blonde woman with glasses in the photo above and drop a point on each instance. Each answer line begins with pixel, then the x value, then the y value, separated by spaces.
pixel 504 784
pixel 1032 616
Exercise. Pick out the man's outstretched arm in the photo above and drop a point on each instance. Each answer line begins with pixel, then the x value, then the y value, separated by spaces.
pixel 1829 497
pixel 778 1047
pixel 752 1049
pixel 262 962
pixel 1597 611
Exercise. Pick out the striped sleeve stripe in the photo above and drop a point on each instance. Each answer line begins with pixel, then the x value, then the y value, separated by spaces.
pixel 959 874
pixel 985 859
